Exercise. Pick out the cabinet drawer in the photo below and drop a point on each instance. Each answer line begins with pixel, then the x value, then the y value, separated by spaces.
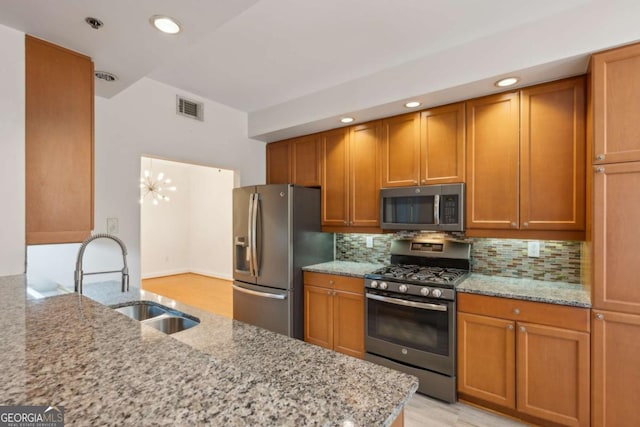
pixel 334 281
pixel 526 311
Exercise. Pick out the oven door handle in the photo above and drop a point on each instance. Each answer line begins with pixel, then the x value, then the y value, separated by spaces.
pixel 422 305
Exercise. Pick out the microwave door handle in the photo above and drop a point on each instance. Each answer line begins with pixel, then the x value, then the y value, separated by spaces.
pixel 422 305
pixel 254 245
pixel 436 209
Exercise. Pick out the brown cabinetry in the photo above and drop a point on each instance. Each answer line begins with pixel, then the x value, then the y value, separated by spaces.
pixel 351 178
pixel 295 161
pixel 278 162
pixel 616 369
pixel 334 312
pixel 526 162
pixel 531 359
pixel 59 144
pixel 424 148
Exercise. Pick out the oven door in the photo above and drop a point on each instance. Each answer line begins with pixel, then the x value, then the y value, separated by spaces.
pixel 412 330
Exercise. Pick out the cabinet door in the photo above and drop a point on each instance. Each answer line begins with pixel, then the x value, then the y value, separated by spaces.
pixel 401 151
pixel 616 369
pixel 616 105
pixel 318 316
pixel 278 163
pixel 305 161
pixel 616 234
pixel 364 175
pixel 492 162
pixel 486 359
pixel 553 374
pixel 58 144
pixel 442 145
pixel 348 321
pixel 335 177
pixel 552 153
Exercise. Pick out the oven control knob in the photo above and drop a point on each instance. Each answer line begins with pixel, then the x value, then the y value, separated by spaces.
pixel 424 291
pixel 374 284
pixel 383 285
pixel 436 293
pixel 402 288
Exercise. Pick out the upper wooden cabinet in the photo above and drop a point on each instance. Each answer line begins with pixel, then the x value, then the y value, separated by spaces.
pixel 616 105
pixel 351 178
pixel 526 162
pixel 59 144
pixel 424 148
pixel 305 160
pixel 278 162
pixel 442 147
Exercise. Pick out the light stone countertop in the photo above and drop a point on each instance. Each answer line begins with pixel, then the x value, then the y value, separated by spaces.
pixel 562 293
pixel 344 268
pixel 107 369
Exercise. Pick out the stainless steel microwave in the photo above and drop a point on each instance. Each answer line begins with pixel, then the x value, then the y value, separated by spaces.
pixel 426 207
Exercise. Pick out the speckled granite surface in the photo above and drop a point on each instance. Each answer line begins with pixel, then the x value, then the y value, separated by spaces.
pixel 344 268
pixel 527 289
pixel 107 369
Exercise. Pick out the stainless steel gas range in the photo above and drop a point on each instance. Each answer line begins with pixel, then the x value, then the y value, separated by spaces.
pixel 411 312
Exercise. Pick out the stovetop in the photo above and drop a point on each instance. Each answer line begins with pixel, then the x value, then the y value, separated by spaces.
pixel 429 275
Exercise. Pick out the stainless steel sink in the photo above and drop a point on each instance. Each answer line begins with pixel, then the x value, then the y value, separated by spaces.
pixel 142 310
pixel 158 316
pixel 171 324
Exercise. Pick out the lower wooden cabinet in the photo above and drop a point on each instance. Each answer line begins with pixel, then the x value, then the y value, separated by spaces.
pixel 334 312
pixel 532 359
pixel 615 369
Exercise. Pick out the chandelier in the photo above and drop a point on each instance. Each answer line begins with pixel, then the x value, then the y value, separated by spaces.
pixel 154 187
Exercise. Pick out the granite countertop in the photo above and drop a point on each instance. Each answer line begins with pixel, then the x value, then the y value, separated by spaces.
pixel 562 293
pixel 344 268
pixel 106 368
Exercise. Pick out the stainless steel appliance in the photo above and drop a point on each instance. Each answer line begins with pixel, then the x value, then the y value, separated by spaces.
pixel 426 207
pixel 410 312
pixel 276 231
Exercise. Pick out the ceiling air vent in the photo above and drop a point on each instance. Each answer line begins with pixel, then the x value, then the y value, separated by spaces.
pixel 189 108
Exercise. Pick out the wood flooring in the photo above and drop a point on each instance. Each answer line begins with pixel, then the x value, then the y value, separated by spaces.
pixel 203 292
pixel 215 295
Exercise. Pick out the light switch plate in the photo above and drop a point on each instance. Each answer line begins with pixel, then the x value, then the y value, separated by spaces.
pixel 533 249
pixel 369 240
pixel 112 225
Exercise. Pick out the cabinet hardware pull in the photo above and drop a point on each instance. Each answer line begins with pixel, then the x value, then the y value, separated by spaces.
pixel 600 169
pixel 516 311
pixel 600 157
pixel 424 181
pixel 600 316
pixel 331 282
pixel 510 327
pixel 523 329
pixel 328 292
pixel 526 224
pixel 513 224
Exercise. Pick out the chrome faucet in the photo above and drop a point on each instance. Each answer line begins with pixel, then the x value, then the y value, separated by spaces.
pixel 79 274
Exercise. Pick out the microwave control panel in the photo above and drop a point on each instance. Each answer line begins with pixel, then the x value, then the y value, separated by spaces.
pixel 449 209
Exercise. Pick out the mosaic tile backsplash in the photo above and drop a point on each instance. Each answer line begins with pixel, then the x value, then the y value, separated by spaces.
pixel 558 261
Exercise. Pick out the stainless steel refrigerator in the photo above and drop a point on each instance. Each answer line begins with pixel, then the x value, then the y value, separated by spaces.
pixel 276 231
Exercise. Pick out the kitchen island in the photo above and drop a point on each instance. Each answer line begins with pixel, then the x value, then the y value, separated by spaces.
pixel 107 369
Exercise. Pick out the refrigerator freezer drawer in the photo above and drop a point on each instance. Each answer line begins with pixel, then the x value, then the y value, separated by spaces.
pixel 267 308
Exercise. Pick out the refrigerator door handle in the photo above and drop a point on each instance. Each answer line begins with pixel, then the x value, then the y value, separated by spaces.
pixel 259 294
pixel 250 235
pixel 254 246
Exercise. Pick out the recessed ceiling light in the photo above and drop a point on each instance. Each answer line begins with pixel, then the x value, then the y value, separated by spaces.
pixel 166 24
pixel 509 81
pixel 347 119
pixel 95 23
pixel 412 104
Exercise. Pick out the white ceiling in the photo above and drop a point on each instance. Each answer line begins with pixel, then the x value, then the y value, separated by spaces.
pixel 296 65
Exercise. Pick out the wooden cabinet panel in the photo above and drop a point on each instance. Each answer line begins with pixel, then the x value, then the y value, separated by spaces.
pixel 616 105
pixel 552 189
pixel 492 161
pixel 616 234
pixel 305 160
pixel 334 281
pixel 318 316
pixel 486 358
pixel 364 171
pixel 278 163
pixel 59 144
pixel 616 369
pixel 348 312
pixel 335 177
pixel 442 145
pixel 553 374
pixel 400 148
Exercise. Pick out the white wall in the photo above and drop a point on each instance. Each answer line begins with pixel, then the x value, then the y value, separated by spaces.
pixel 12 182
pixel 192 232
pixel 142 121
